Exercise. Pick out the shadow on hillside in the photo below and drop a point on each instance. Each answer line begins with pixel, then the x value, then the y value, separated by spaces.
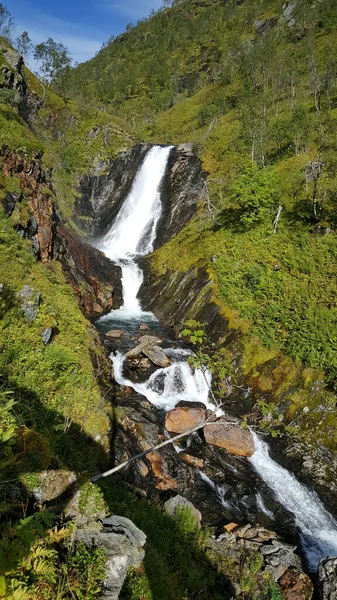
pixel 175 564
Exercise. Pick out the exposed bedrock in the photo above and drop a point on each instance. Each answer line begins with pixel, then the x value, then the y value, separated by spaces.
pixel 101 193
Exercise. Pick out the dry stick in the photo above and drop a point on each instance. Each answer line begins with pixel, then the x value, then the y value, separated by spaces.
pixel 161 445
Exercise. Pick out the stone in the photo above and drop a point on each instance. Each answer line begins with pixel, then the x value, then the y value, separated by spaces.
pixel 97 308
pixel 231 436
pixel 117 524
pixel 9 202
pixel 296 585
pixel 1 288
pixel 276 572
pixel 194 461
pixel 230 527
pixel 157 356
pixel 172 504
pixel 278 553
pixel 144 327
pixel 327 578
pixel 164 481
pixel 149 340
pixel 114 333
pixel 179 420
pixel 123 549
pixel 46 335
pixel 29 303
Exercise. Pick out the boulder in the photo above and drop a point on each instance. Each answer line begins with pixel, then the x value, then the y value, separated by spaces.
pixel 97 308
pixel 157 356
pixel 230 436
pixel 148 340
pixel 327 578
pixel 172 504
pixel 122 543
pixel 179 420
pixel 114 333
pixel 46 335
pixel 144 327
pixel 296 585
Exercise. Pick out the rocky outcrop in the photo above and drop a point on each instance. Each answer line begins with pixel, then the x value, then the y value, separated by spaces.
pixel 230 436
pixel 296 585
pixel 95 279
pixel 122 543
pixel 327 579
pixel 182 187
pixel 34 183
pixel 179 420
pixel 102 191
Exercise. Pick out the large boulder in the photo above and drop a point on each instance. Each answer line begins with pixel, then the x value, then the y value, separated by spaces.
pixel 230 436
pixel 327 578
pixel 122 543
pixel 179 420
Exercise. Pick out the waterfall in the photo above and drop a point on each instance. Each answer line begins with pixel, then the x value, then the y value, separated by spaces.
pixel 316 527
pixel 134 230
pixel 166 387
pixel 131 236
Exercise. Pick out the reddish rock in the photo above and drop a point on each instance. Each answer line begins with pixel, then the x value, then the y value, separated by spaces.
pixel 179 420
pixel 230 436
pixel 97 308
pixel 296 585
pixel 194 461
pixel 230 527
pixel 144 327
pixel 164 481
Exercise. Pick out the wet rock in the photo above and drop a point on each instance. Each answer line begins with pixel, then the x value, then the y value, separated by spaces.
pixel 194 461
pixel 327 579
pixel 122 543
pixel 46 335
pixel 114 333
pixel 179 420
pixel 296 585
pixel 95 279
pixel 172 505
pixel 157 356
pixel 163 480
pixel 144 327
pixel 230 436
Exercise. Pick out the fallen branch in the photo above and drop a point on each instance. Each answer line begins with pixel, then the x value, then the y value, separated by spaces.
pixel 145 452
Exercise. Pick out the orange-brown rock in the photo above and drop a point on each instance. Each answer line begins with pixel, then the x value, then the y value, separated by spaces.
pixel 194 461
pixel 97 308
pixel 296 585
pixel 179 420
pixel 165 482
pixel 230 527
pixel 230 436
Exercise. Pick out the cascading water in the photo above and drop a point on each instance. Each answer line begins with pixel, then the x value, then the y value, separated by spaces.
pixel 316 527
pixel 131 236
pixel 134 231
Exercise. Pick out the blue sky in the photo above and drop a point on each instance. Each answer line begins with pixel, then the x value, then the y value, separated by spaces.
pixel 82 25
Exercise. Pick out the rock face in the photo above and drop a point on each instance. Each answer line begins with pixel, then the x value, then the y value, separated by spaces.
pixel 179 420
pixel 230 436
pixel 327 579
pixel 102 192
pixel 182 188
pixel 40 227
pixel 96 280
pixel 122 543
pixel 172 505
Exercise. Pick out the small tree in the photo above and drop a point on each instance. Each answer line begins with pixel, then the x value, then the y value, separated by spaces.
pixel 6 22
pixel 51 58
pixel 24 44
pixel 255 191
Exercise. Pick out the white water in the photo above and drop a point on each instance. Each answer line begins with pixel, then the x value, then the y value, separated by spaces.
pixel 132 235
pixel 317 528
pixel 166 387
pixel 134 229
